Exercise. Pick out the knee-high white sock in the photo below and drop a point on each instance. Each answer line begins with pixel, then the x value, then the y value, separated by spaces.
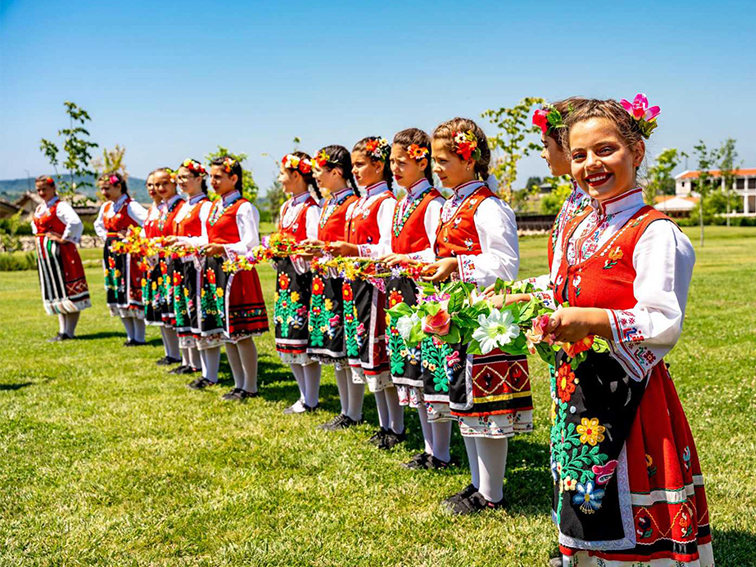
pixel 382 407
pixel 194 357
pixel 342 378
pixel 442 440
pixel 312 383
pixel 472 459
pixel 128 324
pixel 210 359
pixel 395 410
pixel 248 355
pixel 140 329
pixel 356 398
pixel 422 413
pixel 170 342
pixel 298 372
pixel 71 320
pixel 184 356
pixel 492 463
pixel 232 353
pixel 62 323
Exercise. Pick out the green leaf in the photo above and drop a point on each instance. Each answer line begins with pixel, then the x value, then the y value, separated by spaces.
pixel 400 310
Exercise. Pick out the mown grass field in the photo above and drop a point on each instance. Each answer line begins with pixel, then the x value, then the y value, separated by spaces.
pixel 107 460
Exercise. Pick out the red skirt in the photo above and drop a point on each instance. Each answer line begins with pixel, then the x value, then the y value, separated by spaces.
pixel 669 507
pixel 245 307
pixel 61 277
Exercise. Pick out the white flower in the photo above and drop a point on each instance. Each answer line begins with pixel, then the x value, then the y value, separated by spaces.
pixel 405 325
pixel 496 329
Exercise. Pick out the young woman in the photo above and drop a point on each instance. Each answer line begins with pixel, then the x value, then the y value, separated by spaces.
pixel 190 230
pixel 477 237
pixel 368 234
pixel 232 305
pixel 122 273
pixel 413 237
pixel 625 270
pixel 332 169
pixel 58 228
pixel 298 219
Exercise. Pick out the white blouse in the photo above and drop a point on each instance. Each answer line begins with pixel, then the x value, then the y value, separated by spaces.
pixel 384 219
pixel 66 215
pixel 136 211
pixel 430 221
pixel 204 214
pixel 497 230
pixel 663 260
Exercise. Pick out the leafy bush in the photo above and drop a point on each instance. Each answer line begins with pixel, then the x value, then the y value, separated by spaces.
pixel 17 261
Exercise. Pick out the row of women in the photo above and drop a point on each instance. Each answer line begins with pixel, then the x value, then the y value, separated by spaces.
pixel 627 482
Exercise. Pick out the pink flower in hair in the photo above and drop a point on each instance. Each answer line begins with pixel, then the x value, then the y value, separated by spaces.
pixel 114 180
pixel 639 108
pixel 540 119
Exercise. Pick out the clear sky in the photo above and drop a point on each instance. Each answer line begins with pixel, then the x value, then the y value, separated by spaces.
pixel 169 80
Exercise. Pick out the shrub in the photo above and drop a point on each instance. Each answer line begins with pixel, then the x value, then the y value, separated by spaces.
pixel 17 261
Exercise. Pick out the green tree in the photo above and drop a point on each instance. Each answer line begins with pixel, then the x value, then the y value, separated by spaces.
pixel 249 187
pixel 77 147
pixel 703 184
pixel 561 187
pixel 659 178
pixel 513 126
pixel 727 156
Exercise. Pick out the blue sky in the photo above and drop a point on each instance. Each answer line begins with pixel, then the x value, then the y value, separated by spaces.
pixel 169 80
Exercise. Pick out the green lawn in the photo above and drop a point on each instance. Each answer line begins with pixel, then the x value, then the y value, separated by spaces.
pixel 107 460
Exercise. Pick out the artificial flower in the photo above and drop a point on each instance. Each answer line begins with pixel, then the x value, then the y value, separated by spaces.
pixel 291 161
pixel 322 158
pixel 417 152
pixel 437 324
pixel 565 382
pixel 378 148
pixel 540 119
pixel 535 334
pixel 573 349
pixel 640 111
pixel 466 145
pixel 114 180
pixel 405 325
pixel 497 329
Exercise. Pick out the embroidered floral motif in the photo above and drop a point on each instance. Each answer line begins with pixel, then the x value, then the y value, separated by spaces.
pixel 565 382
pixel 403 213
pixel 650 467
pixel 397 348
pixel 644 529
pixel 604 473
pixel 352 339
pixel 211 299
pixel 288 312
pixel 615 255
pixel 591 431
pixel 435 355
pixel 588 497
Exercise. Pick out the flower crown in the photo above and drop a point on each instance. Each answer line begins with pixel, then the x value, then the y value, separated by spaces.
pixel 303 165
pixel 378 148
pixel 417 152
pixel 228 164
pixel 548 119
pixel 170 172
pixel 466 145
pixel 643 115
pixel 322 158
pixel 194 166
pixel 113 180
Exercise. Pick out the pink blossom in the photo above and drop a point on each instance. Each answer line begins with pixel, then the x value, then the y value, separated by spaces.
pixel 452 359
pixel 437 324
pixel 639 108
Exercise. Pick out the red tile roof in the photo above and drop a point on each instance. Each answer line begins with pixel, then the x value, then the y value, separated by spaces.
pixel 714 173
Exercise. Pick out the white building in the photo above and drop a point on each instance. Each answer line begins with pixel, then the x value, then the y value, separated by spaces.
pixel 744 186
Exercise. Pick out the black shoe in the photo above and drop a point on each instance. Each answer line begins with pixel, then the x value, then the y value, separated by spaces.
pixel 332 424
pixel 167 361
pixel 233 395
pixel 473 504
pixel 435 464
pixel 245 395
pixel 467 491
pixel 59 337
pixel 391 439
pixel 309 409
pixel 183 369
pixel 418 462
pixel 201 384
pixel 378 436
pixel 132 343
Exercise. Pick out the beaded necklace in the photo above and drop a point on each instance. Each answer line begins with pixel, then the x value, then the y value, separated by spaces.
pixel 401 220
pixel 332 206
pixel 220 207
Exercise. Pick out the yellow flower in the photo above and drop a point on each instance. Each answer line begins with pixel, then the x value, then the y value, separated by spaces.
pixel 118 273
pixel 616 254
pixel 567 484
pixel 143 281
pixel 275 297
pixel 186 292
pixel 295 296
pixel 350 272
pixel 553 412
pixel 160 280
pixel 590 431
pixel 328 304
pixel 219 293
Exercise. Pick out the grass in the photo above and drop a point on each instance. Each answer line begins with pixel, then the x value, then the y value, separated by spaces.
pixel 107 460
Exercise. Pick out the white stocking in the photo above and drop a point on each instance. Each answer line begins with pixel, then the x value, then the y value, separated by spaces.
pixel 356 398
pixel 472 458
pixel 248 355
pixel 312 383
pixel 492 462
pixel 128 323
pixel 441 440
pixel 185 357
pixel 232 353
pixel 298 372
pixel 210 359
pixel 194 357
pixel 422 413
pixel 140 330
pixel 170 342
pixel 62 323
pixel 342 383
pixel 72 319
pixel 395 410
pixel 382 407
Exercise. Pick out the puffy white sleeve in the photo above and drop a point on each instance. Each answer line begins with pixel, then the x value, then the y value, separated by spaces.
pixel 33 225
pixel 642 335
pixel 137 212
pixel 203 239
pixel 248 224
pixel 384 219
pixel 99 224
pixel 312 219
pixel 74 226
pixel 431 220
pixel 500 256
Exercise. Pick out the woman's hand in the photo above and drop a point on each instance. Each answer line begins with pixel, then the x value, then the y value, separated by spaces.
pixel 170 240
pixel 55 237
pixel 315 250
pixel 571 324
pixel 392 260
pixel 441 270
pixel 341 248
pixel 213 250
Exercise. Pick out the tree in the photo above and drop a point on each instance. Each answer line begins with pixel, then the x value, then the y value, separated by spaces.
pixel 727 156
pixel 514 125
pixel 561 188
pixel 249 187
pixel 77 148
pixel 533 180
pixel 111 162
pixel 705 158
pixel 659 177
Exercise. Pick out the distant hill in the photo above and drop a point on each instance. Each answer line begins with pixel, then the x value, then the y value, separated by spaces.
pixel 11 189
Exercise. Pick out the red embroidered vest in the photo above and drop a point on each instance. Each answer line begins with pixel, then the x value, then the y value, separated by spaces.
pixel 225 230
pixel 459 235
pixel 332 225
pixel 298 228
pixel 362 228
pixel 191 225
pixel 119 221
pixel 604 280
pixel 167 224
pixel 150 225
pixel 49 221
pixel 410 236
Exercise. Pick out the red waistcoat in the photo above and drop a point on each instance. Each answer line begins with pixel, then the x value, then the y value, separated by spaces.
pixel 332 225
pixel 298 228
pixel 150 225
pixel 121 220
pixel 459 235
pixel 408 233
pixel 191 225
pixel 49 221
pixel 604 280
pixel 225 230
pixel 363 228
pixel 167 223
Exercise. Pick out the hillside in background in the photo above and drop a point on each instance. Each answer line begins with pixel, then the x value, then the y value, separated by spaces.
pixel 11 189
